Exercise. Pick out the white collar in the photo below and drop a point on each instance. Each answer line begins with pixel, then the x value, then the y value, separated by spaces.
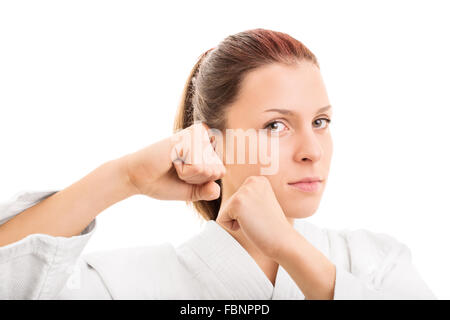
pixel 238 272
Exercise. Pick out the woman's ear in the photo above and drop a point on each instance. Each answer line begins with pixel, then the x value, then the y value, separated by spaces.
pixel 213 142
pixel 217 142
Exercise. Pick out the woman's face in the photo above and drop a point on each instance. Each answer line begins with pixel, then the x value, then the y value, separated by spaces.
pixel 304 139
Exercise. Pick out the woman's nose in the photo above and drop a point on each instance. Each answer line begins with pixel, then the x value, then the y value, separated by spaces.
pixel 308 147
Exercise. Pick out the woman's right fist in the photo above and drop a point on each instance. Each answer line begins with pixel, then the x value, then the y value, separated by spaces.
pixel 183 166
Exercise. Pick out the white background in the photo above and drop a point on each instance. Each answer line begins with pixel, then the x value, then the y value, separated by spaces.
pixel 84 82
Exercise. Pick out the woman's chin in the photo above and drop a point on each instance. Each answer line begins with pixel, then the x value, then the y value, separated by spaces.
pixel 300 215
pixel 301 209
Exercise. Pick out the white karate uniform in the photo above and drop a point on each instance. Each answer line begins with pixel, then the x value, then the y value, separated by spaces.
pixel 210 265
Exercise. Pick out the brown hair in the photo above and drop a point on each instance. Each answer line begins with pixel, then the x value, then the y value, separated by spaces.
pixel 215 79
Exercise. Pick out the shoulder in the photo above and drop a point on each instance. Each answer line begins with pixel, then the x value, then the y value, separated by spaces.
pixel 136 262
pixel 133 262
pixel 124 256
pixel 139 271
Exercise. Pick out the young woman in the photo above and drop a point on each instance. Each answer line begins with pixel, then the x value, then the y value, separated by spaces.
pixel 254 244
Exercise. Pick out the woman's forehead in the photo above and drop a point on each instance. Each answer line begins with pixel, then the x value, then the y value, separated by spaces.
pixel 298 88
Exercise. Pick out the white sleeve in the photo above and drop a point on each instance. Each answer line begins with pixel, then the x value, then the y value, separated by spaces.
pixel 395 279
pixel 41 266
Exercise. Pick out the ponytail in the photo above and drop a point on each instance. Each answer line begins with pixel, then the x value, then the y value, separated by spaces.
pixel 185 113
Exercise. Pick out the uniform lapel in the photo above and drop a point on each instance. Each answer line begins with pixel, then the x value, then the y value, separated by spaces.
pixel 222 258
pixel 285 287
pixel 230 263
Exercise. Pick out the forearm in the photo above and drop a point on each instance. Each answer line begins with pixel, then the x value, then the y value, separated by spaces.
pixel 67 212
pixel 313 272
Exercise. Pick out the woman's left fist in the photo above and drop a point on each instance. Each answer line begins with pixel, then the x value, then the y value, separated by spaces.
pixel 255 209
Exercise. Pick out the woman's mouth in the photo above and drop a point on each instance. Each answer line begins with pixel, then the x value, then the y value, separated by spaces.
pixel 312 185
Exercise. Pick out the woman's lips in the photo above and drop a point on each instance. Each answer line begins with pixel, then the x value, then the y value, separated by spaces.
pixel 307 186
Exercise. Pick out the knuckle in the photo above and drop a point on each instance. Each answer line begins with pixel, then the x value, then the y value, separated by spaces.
pixel 251 179
pixel 215 175
pixel 195 169
pixel 264 179
pixel 238 200
pixel 245 191
pixel 208 172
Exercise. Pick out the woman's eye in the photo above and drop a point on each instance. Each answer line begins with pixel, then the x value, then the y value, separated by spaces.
pixel 275 125
pixel 325 121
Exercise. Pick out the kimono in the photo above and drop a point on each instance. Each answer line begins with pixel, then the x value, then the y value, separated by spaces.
pixel 209 265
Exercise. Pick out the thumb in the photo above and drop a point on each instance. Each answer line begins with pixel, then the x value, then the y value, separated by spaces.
pixel 207 191
pixel 225 216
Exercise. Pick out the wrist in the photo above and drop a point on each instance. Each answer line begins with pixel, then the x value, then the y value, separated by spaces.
pixel 122 173
pixel 289 242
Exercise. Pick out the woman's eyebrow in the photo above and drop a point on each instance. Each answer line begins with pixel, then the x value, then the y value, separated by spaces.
pixel 293 113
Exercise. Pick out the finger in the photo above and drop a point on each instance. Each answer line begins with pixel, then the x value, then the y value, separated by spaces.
pixel 212 138
pixel 207 174
pixel 228 214
pixel 224 219
pixel 178 164
pixel 199 174
pixel 197 142
pixel 210 166
pixel 208 191
pixel 179 190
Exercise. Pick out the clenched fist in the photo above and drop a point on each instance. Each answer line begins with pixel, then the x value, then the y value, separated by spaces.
pixel 183 166
pixel 255 209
